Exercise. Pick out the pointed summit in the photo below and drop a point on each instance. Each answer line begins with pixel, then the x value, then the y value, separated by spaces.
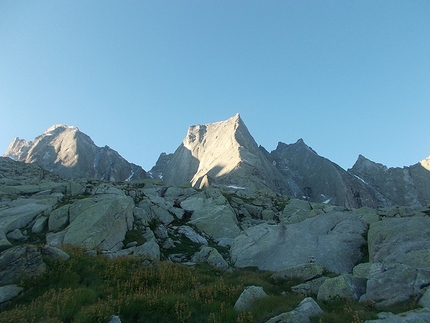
pixel 220 153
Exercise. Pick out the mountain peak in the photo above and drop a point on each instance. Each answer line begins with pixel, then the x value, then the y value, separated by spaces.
pixel 220 153
pixel 60 126
pixel 66 151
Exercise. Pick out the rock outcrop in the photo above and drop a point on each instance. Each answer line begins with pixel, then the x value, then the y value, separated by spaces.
pixel 225 227
pixel 68 152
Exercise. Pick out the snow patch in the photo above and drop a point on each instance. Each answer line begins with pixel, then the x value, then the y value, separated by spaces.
pixel 236 187
pixel 131 175
pixel 361 179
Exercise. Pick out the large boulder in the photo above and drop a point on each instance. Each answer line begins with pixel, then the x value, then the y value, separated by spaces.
pixel 103 224
pixel 20 216
pixel 20 262
pixel 249 296
pixel 212 214
pixel 415 316
pixel 401 240
pixel 333 240
pixel 389 284
pixel 347 287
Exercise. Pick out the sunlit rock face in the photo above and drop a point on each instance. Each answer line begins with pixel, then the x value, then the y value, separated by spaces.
pixel 68 152
pixel 222 153
pixel 426 163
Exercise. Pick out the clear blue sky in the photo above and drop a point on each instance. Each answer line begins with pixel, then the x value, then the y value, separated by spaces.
pixel 349 77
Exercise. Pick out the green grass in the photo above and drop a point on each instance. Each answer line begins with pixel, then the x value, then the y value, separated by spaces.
pixel 92 288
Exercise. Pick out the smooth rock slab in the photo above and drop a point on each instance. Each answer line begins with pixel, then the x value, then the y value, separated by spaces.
pixel 402 240
pixel 333 240
pixel 395 283
pixel 102 225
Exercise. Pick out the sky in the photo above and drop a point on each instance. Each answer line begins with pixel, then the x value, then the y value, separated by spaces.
pixel 349 77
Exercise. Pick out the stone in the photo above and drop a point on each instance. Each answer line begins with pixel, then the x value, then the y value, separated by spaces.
pixel 58 218
pixel 333 240
pixel 212 214
pixel 425 299
pixel 347 287
pixel 74 188
pixel 150 249
pixel 20 216
pixel 401 240
pixel 143 215
pixel 310 287
pixel 303 272
pixel 16 235
pixel 367 269
pixel 367 214
pixel 414 316
pixel 301 314
pixel 162 214
pixel 114 319
pixel 192 235
pixel 4 242
pixel 249 296
pixel 40 224
pixel 102 225
pixel 295 211
pixel 8 292
pixel 394 283
pixel 55 239
pixel 55 253
pixel 76 208
pixel 212 257
pixel 20 262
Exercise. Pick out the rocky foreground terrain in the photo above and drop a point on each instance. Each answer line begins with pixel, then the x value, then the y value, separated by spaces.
pixel 378 255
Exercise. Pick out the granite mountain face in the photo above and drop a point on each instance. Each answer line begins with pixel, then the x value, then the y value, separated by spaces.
pixel 224 154
pixel 68 152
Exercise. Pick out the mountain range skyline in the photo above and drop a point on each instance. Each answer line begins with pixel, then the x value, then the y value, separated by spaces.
pixel 425 161
pixel 225 154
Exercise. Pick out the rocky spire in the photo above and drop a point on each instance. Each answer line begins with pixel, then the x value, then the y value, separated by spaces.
pixel 221 153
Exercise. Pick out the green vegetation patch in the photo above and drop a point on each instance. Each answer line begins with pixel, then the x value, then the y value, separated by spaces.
pixel 92 288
